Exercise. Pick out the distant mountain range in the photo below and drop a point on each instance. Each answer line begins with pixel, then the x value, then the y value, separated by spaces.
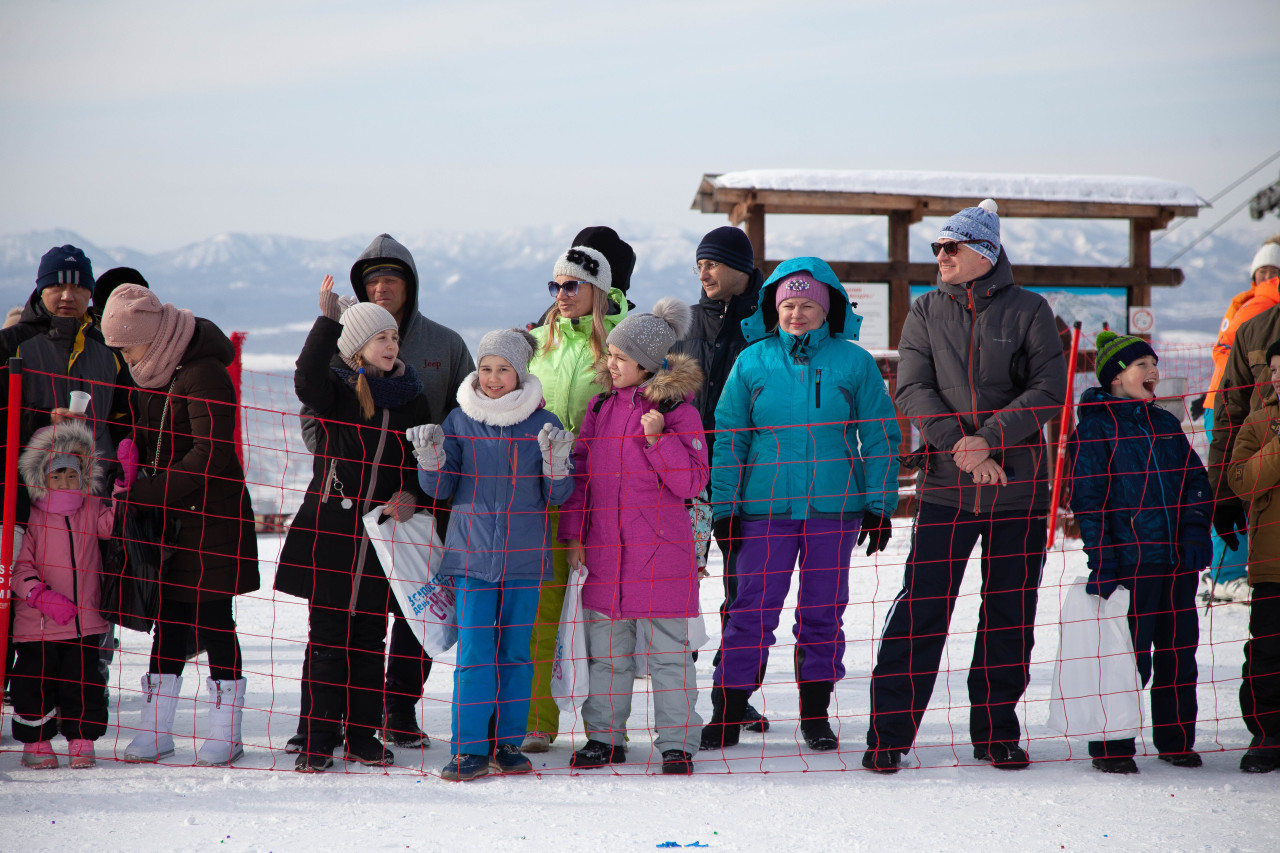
pixel 266 284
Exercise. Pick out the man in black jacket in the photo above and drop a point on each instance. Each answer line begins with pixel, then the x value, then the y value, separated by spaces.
pixel 730 290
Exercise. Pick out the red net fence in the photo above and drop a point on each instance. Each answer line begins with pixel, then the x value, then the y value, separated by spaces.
pixel 832 639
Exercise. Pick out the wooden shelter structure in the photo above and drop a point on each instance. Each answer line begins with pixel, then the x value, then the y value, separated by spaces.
pixel 905 198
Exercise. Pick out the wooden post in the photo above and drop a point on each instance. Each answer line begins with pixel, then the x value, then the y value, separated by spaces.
pixel 755 231
pixel 899 283
pixel 1140 262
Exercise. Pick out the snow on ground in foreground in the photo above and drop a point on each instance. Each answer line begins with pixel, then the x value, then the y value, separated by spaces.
pixel 769 793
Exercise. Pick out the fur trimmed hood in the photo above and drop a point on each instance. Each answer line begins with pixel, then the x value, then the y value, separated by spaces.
pixel 70 438
pixel 509 410
pixel 680 380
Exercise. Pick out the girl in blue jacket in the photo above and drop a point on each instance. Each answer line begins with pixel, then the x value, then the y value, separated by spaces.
pixel 804 463
pixel 504 460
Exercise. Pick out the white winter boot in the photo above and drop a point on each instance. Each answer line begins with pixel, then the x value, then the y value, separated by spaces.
pixel 226 710
pixel 154 740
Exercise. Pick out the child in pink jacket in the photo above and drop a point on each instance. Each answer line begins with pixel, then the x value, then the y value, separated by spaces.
pixel 640 455
pixel 57 589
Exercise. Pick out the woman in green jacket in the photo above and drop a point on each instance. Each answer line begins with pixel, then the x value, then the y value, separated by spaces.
pixel 570 343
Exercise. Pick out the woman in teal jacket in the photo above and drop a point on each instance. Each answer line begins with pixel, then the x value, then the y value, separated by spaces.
pixel 806 461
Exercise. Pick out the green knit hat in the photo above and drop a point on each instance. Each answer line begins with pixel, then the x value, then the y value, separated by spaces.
pixel 1115 353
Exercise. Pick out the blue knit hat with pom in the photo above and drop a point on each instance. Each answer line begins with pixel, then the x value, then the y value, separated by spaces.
pixel 976 223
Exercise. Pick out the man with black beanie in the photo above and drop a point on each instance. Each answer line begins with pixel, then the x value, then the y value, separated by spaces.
pixel 725 264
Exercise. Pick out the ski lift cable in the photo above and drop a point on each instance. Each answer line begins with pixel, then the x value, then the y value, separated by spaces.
pixel 1214 227
pixel 1237 182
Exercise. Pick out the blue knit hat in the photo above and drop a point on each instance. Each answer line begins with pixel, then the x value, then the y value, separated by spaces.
pixel 728 245
pixel 976 223
pixel 64 265
pixel 1115 353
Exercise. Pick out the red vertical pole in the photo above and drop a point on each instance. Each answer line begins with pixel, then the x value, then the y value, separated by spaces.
pixel 237 341
pixel 10 507
pixel 1064 432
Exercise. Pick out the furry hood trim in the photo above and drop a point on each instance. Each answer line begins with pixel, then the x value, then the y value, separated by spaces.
pixel 70 438
pixel 679 380
pixel 511 409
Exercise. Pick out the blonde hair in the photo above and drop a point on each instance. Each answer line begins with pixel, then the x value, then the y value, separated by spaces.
pixel 599 308
pixel 363 392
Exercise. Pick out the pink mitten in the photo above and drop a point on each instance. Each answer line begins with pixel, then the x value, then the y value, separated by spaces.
pixel 55 605
pixel 127 453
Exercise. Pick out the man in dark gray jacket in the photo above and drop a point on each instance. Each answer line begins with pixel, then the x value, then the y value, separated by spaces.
pixel 980 371
pixel 386 274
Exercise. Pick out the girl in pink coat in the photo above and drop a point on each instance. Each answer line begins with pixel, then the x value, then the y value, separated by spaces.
pixel 57 629
pixel 640 455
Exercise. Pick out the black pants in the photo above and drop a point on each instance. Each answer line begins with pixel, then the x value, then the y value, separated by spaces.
pixel 915 631
pixel 730 551
pixel 214 622
pixel 1260 690
pixel 57 688
pixel 342 679
pixel 1166 632
pixel 408 666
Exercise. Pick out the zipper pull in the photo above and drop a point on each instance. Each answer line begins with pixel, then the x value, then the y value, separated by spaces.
pixel 817 390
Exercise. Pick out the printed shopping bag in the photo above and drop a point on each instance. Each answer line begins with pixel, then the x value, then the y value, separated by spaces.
pixel 410 553
pixel 1096 691
pixel 570 681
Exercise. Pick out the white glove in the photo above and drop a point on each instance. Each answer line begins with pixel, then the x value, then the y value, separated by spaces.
pixel 556 445
pixel 428 445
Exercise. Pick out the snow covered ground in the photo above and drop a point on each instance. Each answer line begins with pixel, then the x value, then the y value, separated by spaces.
pixel 769 793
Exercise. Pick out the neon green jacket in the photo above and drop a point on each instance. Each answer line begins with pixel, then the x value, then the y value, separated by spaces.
pixel 568 373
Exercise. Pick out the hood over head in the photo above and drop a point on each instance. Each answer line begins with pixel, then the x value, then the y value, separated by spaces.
pixel 383 250
pixel 68 438
pixel 842 322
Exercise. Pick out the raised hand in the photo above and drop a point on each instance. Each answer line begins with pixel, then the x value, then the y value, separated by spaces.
pixel 556 446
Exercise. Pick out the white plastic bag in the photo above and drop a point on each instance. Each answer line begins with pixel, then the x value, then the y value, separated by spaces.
pixel 410 553
pixel 1096 691
pixel 570 679
pixel 697 632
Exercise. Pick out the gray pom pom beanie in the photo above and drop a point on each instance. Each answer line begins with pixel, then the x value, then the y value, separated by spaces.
pixel 648 337
pixel 516 346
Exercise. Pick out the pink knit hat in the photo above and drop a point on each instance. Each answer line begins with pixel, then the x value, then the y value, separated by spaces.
pixel 134 315
pixel 801 285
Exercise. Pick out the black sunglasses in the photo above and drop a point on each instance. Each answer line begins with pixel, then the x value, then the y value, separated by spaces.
pixel 953 247
pixel 570 288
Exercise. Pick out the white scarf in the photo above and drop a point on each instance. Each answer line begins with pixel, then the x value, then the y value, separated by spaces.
pixel 508 410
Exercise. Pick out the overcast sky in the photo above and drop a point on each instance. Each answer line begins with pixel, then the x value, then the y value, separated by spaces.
pixel 152 125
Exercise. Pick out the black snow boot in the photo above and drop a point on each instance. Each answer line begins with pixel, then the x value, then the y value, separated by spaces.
pixel 754 721
pixel 727 706
pixel 815 699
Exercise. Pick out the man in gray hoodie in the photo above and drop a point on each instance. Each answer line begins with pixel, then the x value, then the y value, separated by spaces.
pixel 980 372
pixel 385 274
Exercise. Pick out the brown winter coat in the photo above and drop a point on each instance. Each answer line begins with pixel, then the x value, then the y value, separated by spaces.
pixel 1254 475
pixel 198 479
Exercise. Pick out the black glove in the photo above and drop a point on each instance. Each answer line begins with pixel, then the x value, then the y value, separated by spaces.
pixel 1228 517
pixel 876 528
pixel 727 530
pixel 1102 581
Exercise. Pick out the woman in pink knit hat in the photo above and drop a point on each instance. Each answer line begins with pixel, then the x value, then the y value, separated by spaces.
pixel 184 422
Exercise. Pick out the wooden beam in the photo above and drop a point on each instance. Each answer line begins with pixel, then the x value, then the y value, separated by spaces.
pixel 1140 262
pixel 1030 275
pixel 899 285
pixel 722 200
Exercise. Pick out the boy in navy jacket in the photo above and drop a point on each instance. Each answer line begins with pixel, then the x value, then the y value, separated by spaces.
pixel 1143 502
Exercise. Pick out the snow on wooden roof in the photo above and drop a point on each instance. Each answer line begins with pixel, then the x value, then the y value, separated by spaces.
pixel 942 193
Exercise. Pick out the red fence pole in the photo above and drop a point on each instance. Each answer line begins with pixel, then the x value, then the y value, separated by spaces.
pixel 1064 431
pixel 237 341
pixel 10 507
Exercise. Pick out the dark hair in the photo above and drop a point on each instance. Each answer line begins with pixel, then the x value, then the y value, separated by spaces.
pixel 1273 351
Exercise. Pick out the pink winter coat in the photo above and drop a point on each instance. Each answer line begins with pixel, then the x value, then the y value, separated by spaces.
pixel 60 547
pixel 628 504
pixel 47 557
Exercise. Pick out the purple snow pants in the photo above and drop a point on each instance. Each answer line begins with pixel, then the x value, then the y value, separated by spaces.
pixel 765 562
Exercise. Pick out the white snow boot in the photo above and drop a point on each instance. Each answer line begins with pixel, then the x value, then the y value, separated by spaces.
pixel 154 739
pixel 226 710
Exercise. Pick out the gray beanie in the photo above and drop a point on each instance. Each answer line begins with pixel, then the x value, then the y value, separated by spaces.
pixel 360 323
pixel 515 345
pixel 586 264
pixel 648 337
pixel 66 460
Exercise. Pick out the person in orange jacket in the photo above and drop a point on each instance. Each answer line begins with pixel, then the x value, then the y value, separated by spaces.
pixel 1228 573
